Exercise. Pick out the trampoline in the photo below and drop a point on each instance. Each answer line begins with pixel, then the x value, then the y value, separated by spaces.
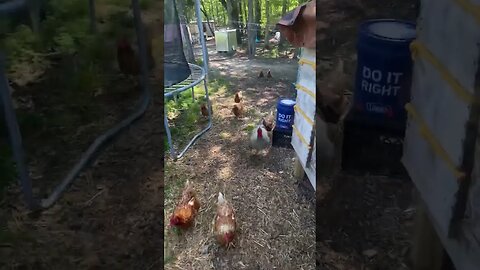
pixel 179 75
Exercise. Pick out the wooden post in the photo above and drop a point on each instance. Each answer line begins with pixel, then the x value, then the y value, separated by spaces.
pixel 298 171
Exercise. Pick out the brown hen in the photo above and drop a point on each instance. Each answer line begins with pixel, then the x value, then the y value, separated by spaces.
pixel 269 122
pixel 184 214
pixel 238 109
pixel 238 97
pixel 225 223
pixel 204 110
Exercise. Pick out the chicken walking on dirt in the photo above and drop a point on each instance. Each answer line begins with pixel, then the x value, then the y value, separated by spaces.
pixel 204 110
pixel 225 223
pixel 259 139
pixel 127 57
pixel 186 210
pixel 238 109
pixel 269 122
pixel 238 97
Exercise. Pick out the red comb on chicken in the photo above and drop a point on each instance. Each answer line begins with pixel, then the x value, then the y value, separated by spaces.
pixel 259 139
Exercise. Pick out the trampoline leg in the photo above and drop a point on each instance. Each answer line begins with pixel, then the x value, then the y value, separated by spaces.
pixel 198 135
pixel 15 139
pixel 208 101
pixel 169 134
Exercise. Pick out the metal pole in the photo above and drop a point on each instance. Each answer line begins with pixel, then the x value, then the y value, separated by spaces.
pixel 202 36
pixel 15 137
pixel 169 134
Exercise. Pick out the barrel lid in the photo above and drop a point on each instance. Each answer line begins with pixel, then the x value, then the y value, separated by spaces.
pixel 391 29
pixel 287 102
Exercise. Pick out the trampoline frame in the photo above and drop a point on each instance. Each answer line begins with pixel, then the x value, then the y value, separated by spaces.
pixel 198 75
pixel 89 156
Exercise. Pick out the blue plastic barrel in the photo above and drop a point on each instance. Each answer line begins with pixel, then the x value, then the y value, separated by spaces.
pixel 384 72
pixel 285 114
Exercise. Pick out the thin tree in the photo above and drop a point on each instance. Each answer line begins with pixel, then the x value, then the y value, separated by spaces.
pixel 267 21
pixel 233 15
pixel 251 31
pixel 258 16
pixel 245 11
pixel 284 10
pixel 204 11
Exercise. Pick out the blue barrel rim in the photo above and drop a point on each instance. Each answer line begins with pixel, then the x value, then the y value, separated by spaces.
pixel 364 29
pixel 286 98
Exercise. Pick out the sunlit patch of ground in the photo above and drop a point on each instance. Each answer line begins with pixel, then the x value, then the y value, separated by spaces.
pixel 276 224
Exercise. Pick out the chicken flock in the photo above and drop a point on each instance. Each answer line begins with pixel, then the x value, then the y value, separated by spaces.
pixel 224 224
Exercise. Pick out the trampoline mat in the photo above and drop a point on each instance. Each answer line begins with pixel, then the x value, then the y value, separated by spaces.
pixel 175 73
pixel 176 68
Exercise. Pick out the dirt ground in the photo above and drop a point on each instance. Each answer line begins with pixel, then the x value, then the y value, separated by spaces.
pixel 275 213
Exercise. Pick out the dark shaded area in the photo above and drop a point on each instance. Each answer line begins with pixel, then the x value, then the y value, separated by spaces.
pixel 363 221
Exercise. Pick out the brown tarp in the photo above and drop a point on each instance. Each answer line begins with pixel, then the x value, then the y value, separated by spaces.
pixel 299 25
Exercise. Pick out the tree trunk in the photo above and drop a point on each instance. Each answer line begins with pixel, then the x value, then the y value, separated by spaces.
pixel 217 15
pixel 251 30
pixel 284 10
pixel 233 16
pixel 245 12
pixel 258 16
pixel 210 6
pixel 240 18
pixel 187 43
pixel 267 21
pixel 204 11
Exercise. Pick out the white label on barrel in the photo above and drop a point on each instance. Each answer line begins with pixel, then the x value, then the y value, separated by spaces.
pixel 371 82
pixel 377 108
pixel 284 118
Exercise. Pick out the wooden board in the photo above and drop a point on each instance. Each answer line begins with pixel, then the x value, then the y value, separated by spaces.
pixel 451 34
pixel 303 136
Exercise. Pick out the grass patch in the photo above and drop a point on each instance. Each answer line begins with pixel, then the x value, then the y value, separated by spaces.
pixel 168 259
pixel 184 113
pixel 249 128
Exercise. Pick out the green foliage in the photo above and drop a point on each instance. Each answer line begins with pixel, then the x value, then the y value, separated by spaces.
pixel 146 4
pixel 217 12
pixel 121 23
pixel 20 43
pixel 66 10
